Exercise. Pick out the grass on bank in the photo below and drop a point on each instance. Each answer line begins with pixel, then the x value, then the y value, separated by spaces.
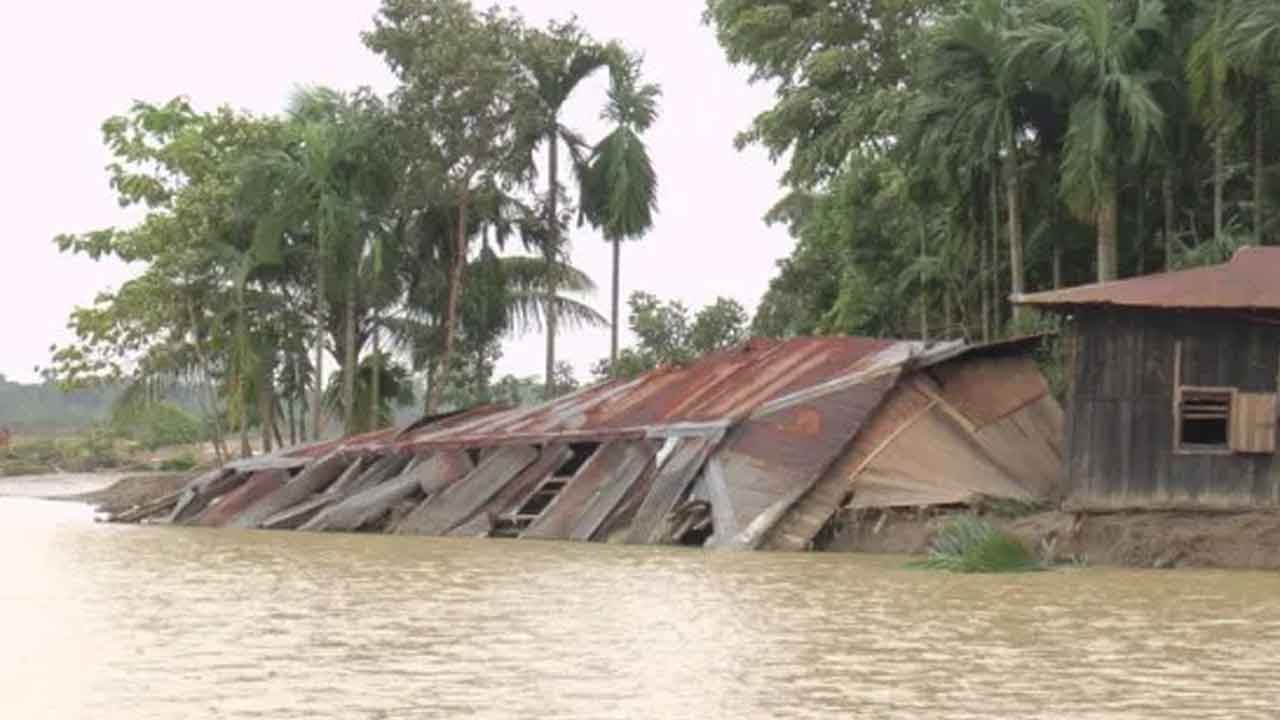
pixel 93 451
pixel 969 544
pixel 139 437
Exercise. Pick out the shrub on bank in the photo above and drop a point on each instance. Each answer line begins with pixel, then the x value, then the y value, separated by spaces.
pixel 158 425
pixel 88 452
pixel 969 544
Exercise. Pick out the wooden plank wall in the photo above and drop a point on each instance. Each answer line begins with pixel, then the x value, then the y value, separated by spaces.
pixel 1120 425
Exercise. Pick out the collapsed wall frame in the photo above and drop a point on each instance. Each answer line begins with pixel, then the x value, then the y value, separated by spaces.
pixel 754 447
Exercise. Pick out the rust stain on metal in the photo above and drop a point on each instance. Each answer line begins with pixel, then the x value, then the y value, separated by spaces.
pixel 258 486
pixel 751 432
pixel 1247 282
pixel 724 386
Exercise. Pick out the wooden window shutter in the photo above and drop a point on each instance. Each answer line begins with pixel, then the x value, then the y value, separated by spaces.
pixel 1253 423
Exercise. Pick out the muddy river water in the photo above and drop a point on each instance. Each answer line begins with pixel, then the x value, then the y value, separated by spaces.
pixel 142 623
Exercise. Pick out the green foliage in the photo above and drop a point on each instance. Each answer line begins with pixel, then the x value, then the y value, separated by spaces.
pixel 178 463
pixel 352 226
pixel 968 544
pixel 157 425
pixel 915 160
pixel 90 451
pixel 523 392
pixel 395 389
pixel 834 67
pixel 619 185
pixel 669 336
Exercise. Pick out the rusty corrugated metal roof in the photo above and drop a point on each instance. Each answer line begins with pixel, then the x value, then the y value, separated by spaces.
pixel 1250 281
pixel 720 388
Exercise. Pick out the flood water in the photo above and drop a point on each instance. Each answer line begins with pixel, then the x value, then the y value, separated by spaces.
pixel 110 622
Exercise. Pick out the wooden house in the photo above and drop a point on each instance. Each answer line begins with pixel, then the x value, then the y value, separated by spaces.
pixel 1172 387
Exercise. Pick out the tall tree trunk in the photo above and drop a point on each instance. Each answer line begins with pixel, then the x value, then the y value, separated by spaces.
pixel 276 412
pixel 291 414
pixel 302 416
pixel 613 317
pixel 1017 268
pixel 440 377
pixel 553 223
pixel 1057 264
pixel 1259 166
pixel 981 244
pixel 215 412
pixel 375 383
pixel 995 251
pixel 1141 236
pixel 1106 221
pixel 242 339
pixel 1166 193
pixel 349 353
pixel 947 323
pixel 924 302
pixel 317 392
pixel 265 406
pixel 1219 172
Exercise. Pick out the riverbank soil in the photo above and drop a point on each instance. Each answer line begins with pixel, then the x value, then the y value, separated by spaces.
pixel 1249 540
pixel 129 492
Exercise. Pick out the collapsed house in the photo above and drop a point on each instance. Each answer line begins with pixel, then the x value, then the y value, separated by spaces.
pixel 1172 387
pixel 756 446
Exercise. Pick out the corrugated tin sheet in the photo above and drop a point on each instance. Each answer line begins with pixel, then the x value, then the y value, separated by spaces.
pixel 1248 282
pixel 718 389
pixel 772 434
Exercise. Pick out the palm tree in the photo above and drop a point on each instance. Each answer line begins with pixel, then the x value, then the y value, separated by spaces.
pixel 1102 52
pixel 1251 46
pixel 1212 78
pixel 971 113
pixel 528 307
pixel 619 187
pixel 328 189
pixel 559 60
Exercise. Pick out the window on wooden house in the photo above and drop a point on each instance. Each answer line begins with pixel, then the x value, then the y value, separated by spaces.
pixel 1204 419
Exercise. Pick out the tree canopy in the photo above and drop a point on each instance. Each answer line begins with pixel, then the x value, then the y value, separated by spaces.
pixel 942 155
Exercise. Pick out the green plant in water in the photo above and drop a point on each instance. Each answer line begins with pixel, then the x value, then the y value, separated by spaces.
pixel 968 544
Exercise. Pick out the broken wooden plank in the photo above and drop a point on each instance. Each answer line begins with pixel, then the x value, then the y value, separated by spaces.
pixel 197 495
pixel 560 517
pixel 379 470
pixel 463 499
pixel 723 518
pixel 479 526
pixel 259 485
pixel 398 513
pixel 364 506
pixel 636 459
pixel 317 477
pixel 142 512
pixel 436 473
pixel 269 462
pixel 442 469
pixel 672 482
pixel 759 527
pixel 516 491
pixel 291 518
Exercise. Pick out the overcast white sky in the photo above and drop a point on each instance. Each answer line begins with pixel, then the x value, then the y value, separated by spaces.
pixel 67 66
